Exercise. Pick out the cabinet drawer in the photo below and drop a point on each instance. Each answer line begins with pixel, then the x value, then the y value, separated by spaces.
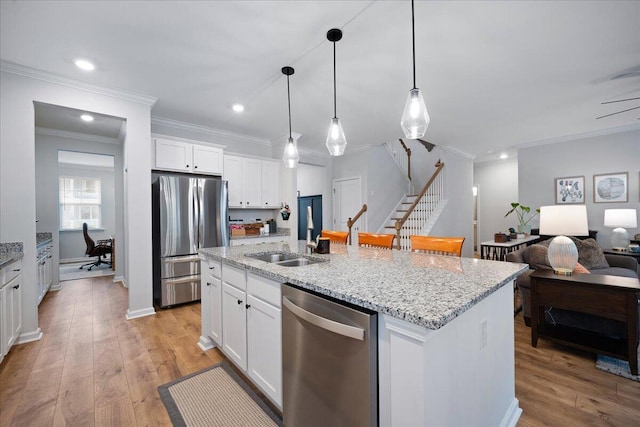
pixel 212 268
pixel 234 276
pixel 11 271
pixel 263 288
pixel 180 266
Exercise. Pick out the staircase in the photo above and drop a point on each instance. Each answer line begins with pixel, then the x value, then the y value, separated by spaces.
pixel 415 213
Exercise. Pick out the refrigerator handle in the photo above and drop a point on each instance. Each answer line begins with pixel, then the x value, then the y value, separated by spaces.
pixel 201 215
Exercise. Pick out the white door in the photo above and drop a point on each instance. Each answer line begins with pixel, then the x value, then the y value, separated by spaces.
pixel 207 160
pixel 264 353
pixel 233 175
pixel 252 183
pixel 174 155
pixel 347 202
pixel 15 290
pixel 234 325
pixel 271 184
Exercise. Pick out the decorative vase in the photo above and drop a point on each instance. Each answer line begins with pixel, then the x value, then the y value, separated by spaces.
pixel 526 229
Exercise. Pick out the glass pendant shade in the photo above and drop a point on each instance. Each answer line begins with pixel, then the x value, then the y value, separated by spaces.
pixel 415 118
pixel 291 157
pixel 336 142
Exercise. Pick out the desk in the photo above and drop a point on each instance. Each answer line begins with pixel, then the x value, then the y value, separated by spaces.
pixel 498 251
pixel 611 297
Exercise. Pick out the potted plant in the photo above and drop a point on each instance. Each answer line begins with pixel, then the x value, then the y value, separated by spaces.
pixel 524 216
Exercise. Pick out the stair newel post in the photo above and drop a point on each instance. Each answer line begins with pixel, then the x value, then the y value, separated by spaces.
pixel 398 228
pixel 349 224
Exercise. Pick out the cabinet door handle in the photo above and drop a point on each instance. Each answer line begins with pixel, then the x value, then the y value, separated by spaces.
pixel 16 270
pixel 239 301
pixel 212 268
pixel 16 286
pixel 247 306
pixel 195 167
pixel 208 283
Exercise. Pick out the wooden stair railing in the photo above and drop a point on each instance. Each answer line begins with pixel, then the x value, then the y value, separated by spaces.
pixel 400 222
pixel 408 151
pixel 350 221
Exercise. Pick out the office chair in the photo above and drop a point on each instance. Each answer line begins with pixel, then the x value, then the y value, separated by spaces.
pixel 100 249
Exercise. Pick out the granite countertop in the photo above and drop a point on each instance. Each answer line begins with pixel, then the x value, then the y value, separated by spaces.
pixel 10 252
pixel 423 289
pixel 43 237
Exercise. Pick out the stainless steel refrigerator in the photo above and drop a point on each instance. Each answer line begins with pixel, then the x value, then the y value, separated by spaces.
pixel 189 212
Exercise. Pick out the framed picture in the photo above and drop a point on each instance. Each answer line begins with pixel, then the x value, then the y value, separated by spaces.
pixel 569 190
pixel 611 187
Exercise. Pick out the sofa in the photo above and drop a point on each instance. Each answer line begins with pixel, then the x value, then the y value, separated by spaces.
pixel 590 258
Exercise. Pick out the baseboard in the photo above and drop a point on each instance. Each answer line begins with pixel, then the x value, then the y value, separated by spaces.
pixel 206 343
pixel 512 416
pixel 119 279
pixel 149 311
pixel 55 287
pixel 30 336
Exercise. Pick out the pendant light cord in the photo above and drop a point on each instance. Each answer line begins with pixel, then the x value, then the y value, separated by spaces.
pixel 413 39
pixel 289 104
pixel 335 114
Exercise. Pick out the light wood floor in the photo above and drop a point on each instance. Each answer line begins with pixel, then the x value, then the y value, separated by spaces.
pixel 93 367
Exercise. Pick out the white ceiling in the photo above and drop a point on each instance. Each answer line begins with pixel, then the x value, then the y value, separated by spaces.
pixel 494 74
pixel 68 119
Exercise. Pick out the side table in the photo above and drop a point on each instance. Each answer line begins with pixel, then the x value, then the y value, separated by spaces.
pixel 611 297
pixel 498 251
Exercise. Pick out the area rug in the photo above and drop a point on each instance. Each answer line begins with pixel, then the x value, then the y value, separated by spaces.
pixel 616 366
pixel 72 271
pixel 215 396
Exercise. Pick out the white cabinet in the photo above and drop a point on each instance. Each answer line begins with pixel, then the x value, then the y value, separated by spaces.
pixel 10 306
pixel 248 327
pixel 271 182
pixel 253 183
pixel 45 271
pixel 211 303
pixel 234 318
pixel 186 157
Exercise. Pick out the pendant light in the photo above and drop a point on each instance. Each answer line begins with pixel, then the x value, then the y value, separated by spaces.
pixel 415 118
pixel 291 155
pixel 336 142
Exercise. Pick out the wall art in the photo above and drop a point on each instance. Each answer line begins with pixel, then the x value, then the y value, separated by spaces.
pixel 569 190
pixel 611 187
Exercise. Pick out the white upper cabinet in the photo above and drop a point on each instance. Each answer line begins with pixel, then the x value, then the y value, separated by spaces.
pixel 186 157
pixel 253 183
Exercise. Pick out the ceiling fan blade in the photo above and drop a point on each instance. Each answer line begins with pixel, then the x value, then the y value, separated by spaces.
pixel 613 114
pixel 620 100
pixel 429 146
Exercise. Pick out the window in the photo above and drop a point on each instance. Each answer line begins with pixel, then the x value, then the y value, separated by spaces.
pixel 80 201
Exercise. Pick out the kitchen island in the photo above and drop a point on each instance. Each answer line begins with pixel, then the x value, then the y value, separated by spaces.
pixel 445 325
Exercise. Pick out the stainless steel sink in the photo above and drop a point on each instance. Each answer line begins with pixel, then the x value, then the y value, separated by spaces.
pixel 299 262
pixel 274 256
pixel 285 259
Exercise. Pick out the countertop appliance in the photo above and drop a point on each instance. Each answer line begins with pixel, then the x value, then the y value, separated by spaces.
pixel 330 361
pixel 189 212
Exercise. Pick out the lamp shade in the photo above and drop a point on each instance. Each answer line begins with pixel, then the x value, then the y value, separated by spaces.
pixel 562 220
pixel 568 220
pixel 625 218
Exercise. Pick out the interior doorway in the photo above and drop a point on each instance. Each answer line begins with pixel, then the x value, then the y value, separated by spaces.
pixel 347 202
pixel 315 202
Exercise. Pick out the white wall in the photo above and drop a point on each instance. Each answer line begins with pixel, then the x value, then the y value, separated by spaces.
pixel 386 186
pixel 616 152
pixel 497 184
pixel 457 217
pixel 20 89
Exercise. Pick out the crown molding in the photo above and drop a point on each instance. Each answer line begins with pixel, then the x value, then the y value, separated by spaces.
pixel 457 151
pixel 175 124
pixel 573 137
pixel 21 70
pixel 191 141
pixel 76 135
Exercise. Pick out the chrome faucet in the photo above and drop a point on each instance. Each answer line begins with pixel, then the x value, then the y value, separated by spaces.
pixel 311 245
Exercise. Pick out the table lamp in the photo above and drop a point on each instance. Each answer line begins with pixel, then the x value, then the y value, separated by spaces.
pixel 619 219
pixel 563 220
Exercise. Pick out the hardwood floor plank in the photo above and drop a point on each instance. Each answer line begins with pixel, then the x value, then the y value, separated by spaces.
pixel 110 380
pixel 612 412
pixel 75 404
pixel 39 398
pixel 119 413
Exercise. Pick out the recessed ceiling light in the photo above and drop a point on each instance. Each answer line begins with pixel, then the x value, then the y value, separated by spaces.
pixel 87 117
pixel 503 156
pixel 83 64
pixel 238 108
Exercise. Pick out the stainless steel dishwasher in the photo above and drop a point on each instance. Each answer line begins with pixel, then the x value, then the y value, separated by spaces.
pixel 330 362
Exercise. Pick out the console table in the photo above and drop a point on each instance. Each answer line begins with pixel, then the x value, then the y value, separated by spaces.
pixel 498 251
pixel 611 297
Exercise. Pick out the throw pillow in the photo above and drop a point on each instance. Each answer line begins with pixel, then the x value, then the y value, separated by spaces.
pixel 538 259
pixel 580 269
pixel 590 254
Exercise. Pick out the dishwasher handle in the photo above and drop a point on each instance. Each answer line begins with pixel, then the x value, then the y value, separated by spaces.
pixel 321 322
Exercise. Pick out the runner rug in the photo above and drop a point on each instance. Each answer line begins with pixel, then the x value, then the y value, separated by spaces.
pixel 215 396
